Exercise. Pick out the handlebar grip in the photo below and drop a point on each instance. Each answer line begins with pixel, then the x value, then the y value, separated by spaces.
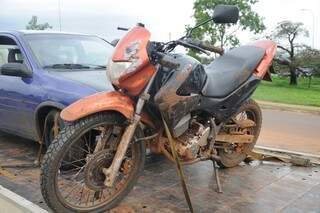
pixel 214 49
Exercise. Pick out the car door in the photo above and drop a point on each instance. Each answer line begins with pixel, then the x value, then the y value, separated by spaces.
pixel 18 96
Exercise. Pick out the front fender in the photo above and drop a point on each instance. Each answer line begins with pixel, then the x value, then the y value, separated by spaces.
pixel 102 101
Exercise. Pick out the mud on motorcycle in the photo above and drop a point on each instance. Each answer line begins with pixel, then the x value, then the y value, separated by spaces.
pixel 207 108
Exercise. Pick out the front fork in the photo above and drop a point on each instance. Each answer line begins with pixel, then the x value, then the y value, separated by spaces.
pixel 127 136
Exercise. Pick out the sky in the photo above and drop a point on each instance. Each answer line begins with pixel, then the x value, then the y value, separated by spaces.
pixel 165 19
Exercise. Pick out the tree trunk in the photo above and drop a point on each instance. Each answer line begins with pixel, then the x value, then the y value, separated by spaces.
pixel 293 76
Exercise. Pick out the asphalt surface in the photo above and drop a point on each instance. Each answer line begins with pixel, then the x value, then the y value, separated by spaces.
pixel 293 131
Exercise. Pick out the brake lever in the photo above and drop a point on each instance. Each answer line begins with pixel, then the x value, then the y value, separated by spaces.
pixel 122 28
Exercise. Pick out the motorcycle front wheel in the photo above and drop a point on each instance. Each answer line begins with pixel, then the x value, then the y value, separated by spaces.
pixel 71 173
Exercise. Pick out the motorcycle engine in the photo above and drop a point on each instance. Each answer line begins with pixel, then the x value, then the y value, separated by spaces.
pixel 189 143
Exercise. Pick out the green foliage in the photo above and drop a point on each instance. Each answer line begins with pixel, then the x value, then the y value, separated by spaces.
pixel 33 24
pixel 289 31
pixel 278 67
pixel 279 91
pixel 310 58
pixel 220 33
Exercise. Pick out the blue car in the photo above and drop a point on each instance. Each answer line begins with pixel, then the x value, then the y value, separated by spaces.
pixel 43 72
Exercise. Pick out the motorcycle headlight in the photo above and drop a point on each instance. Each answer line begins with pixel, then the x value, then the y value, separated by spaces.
pixel 116 70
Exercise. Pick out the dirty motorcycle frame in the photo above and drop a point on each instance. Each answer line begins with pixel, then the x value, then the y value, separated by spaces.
pixel 157 83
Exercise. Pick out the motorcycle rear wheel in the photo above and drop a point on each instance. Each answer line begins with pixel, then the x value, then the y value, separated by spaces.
pixel 233 158
pixel 84 187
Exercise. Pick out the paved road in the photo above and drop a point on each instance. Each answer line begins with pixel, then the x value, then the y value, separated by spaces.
pixel 258 187
pixel 291 130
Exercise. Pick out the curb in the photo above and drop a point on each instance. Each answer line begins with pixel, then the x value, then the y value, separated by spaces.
pixel 289 107
pixel 11 202
pixel 287 154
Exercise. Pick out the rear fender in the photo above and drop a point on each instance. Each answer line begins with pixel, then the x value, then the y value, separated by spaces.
pixel 267 76
pixel 271 48
pixel 103 101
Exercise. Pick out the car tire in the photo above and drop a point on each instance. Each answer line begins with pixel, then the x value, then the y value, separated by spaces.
pixel 52 119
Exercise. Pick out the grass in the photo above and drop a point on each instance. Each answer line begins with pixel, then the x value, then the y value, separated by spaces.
pixel 280 91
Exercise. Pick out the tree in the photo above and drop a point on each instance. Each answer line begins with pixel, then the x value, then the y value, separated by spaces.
pixel 310 58
pixel 289 31
pixel 221 33
pixel 33 24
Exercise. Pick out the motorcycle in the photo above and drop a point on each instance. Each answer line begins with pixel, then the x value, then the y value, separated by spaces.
pixel 96 159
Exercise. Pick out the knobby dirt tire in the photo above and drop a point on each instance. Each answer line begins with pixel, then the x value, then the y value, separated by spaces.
pixel 60 145
pixel 227 160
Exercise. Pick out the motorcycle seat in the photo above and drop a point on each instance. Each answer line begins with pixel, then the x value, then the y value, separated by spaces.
pixel 232 69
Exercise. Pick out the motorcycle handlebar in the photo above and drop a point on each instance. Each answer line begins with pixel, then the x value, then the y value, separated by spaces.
pixel 206 46
pixel 168 61
pixel 192 46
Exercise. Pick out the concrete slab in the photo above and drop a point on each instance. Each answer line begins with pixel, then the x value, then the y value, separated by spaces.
pixel 11 202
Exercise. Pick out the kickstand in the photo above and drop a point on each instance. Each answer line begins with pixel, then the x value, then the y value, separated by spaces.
pixel 216 174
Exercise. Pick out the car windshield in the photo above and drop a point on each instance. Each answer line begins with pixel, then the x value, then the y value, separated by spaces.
pixel 61 51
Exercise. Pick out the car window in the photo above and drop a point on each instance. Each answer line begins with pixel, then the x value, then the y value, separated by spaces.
pixel 55 50
pixel 9 51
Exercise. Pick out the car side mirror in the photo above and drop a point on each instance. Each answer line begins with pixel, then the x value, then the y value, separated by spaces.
pixel 15 69
pixel 225 14
pixel 115 42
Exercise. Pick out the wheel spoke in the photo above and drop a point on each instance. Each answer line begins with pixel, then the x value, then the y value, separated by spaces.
pixel 72 162
pixel 76 175
pixel 89 192
pixel 80 181
pixel 80 199
pixel 72 189
pixel 78 146
pixel 66 173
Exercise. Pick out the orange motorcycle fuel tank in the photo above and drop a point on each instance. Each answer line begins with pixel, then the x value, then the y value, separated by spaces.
pixel 130 68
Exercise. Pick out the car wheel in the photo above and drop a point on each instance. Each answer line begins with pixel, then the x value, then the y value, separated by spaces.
pixel 52 126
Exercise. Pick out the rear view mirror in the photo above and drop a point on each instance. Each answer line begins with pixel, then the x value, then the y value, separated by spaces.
pixel 15 69
pixel 115 42
pixel 225 14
